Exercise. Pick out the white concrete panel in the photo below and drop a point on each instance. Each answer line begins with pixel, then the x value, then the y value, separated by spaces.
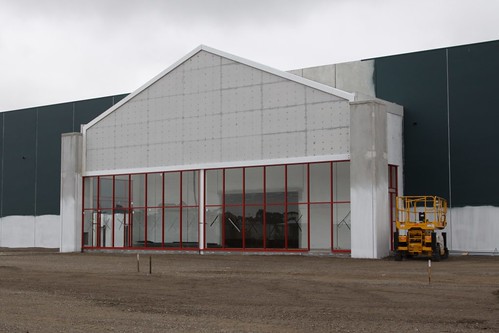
pixel 47 233
pixel 205 79
pixel 286 119
pixel 129 157
pixel 241 99
pixel 169 85
pixel 18 231
pixel 164 108
pixel 191 128
pixel 164 154
pixel 271 78
pixel 69 222
pixel 131 134
pixel 201 60
pixel 328 115
pixel 473 229
pixel 328 141
pixel 239 75
pixel 369 181
pixel 356 76
pixel 317 96
pixel 241 148
pixel 283 94
pixel 248 123
pixel 284 145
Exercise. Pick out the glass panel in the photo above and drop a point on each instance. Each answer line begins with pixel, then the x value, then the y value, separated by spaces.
pixel 274 181
pixel 121 188
pixel 254 185
pixel 155 227
pixel 320 182
pixel 341 231
pixel 90 200
pixel 297 227
pixel 106 232
pixel 297 182
pixel 121 224
pixel 89 225
pixel 172 227
pixel 341 181
pixel 274 227
pixel 138 224
pixel 190 188
pixel 234 184
pixel 213 227
pixel 154 190
pixel 233 227
pixel 214 187
pixel 106 192
pixel 172 189
pixel 253 226
pixel 320 226
pixel 138 190
pixel 293 227
pixel 190 227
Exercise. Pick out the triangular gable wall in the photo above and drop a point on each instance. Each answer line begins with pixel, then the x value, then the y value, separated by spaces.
pixel 211 107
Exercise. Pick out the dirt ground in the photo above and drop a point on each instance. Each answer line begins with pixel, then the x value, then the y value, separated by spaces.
pixel 42 291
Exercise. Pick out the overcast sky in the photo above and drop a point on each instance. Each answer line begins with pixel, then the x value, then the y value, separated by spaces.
pixel 54 51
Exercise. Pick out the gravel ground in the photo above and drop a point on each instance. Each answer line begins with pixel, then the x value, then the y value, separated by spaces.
pixel 43 291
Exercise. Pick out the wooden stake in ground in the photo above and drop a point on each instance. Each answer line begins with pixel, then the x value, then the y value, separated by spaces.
pixel 138 263
pixel 429 271
pixel 150 265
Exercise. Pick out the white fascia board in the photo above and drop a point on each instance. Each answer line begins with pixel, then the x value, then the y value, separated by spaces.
pixel 219 165
pixel 313 84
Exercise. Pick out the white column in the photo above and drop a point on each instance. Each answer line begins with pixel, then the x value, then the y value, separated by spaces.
pixel 71 188
pixel 201 210
pixel 369 180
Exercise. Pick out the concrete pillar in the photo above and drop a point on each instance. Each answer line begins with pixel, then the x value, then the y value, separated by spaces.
pixel 369 180
pixel 71 191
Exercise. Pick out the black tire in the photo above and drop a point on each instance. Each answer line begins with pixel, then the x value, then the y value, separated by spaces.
pixel 446 254
pixel 435 256
pixel 398 256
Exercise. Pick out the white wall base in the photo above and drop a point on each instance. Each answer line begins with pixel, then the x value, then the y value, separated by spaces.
pixel 474 229
pixel 30 231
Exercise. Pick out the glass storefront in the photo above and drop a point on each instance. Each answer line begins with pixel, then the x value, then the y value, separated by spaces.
pixel 295 207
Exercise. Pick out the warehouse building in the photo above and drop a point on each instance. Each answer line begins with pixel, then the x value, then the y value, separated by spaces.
pixel 218 153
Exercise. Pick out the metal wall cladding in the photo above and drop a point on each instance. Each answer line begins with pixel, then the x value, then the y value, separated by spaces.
pixel 211 109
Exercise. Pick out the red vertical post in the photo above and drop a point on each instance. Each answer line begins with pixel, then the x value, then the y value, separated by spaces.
pixel 181 209
pixel 97 232
pixel 243 226
pixel 83 213
pixel 309 207
pixel 112 210
pixel 130 211
pixel 163 209
pixel 332 204
pixel 264 207
pixel 145 210
pixel 286 206
pixel 223 208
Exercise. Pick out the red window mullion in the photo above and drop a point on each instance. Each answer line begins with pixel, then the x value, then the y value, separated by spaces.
pixel 332 206
pixel 264 207
pixel 163 210
pixel 145 211
pixel 181 209
pixel 286 207
pixel 308 206
pixel 97 242
pixel 223 208
pixel 130 211
pixel 83 214
pixel 112 210
pixel 243 227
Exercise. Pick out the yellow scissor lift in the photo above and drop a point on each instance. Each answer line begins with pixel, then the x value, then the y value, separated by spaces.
pixel 419 224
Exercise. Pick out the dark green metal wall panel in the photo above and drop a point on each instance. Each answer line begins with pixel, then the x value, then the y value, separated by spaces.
pixel 474 105
pixel 52 121
pixel 30 154
pixel 19 162
pixel 418 81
